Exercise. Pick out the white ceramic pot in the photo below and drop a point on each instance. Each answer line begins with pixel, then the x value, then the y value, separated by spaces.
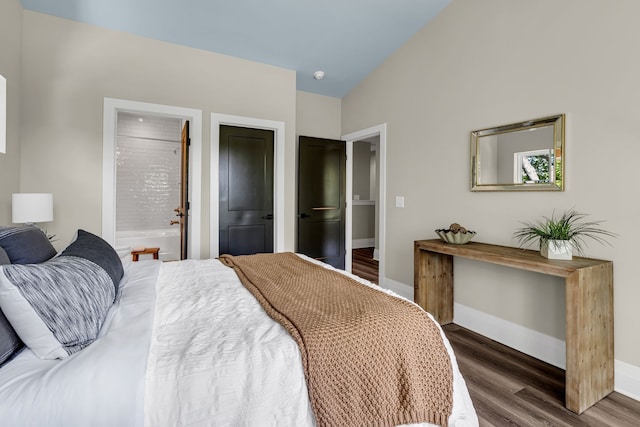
pixel 556 249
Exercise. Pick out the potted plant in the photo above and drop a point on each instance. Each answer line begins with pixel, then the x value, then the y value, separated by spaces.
pixel 558 237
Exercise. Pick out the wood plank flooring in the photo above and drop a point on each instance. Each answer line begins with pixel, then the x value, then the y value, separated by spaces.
pixel 364 265
pixel 509 388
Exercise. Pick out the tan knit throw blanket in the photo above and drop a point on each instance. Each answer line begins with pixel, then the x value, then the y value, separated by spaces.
pixel 369 359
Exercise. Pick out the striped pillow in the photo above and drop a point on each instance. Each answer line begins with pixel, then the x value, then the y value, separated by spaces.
pixel 93 248
pixel 56 307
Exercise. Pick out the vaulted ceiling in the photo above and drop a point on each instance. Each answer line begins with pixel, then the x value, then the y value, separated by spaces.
pixel 346 39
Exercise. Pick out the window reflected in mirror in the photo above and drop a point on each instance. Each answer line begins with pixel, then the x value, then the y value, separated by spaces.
pixel 524 156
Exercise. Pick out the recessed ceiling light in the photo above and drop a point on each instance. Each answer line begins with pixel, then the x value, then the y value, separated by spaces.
pixel 318 75
pixel 140 119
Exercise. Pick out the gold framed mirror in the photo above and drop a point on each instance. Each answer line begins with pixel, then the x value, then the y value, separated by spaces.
pixel 525 156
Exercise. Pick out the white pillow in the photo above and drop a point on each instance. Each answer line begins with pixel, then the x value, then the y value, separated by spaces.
pixel 124 252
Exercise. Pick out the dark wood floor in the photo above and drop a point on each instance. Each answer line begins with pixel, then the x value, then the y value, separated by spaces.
pixel 509 388
pixel 364 265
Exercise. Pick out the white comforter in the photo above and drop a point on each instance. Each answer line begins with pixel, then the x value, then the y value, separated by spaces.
pixel 100 386
pixel 200 324
pixel 216 358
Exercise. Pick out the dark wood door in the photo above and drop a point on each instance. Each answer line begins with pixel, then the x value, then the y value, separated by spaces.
pixel 321 199
pixel 246 190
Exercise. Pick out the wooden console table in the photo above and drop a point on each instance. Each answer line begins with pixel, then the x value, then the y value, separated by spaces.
pixel 589 306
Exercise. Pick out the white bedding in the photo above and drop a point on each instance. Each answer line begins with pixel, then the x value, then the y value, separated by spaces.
pixel 100 386
pixel 104 384
pixel 231 355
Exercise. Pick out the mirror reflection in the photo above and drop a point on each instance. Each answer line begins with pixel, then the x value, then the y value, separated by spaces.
pixel 524 156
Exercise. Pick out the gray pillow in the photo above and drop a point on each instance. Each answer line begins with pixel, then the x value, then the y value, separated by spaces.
pixel 26 244
pixel 9 341
pixel 95 249
pixel 4 258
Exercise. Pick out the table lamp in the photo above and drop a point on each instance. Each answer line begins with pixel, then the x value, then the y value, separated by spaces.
pixel 29 208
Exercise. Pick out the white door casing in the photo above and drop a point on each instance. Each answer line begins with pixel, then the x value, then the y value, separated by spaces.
pixel 111 108
pixel 381 132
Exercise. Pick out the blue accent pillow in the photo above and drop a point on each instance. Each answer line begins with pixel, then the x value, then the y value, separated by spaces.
pixel 9 341
pixel 26 244
pixel 95 249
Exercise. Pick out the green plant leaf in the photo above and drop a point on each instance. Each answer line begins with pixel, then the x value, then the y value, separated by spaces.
pixel 570 226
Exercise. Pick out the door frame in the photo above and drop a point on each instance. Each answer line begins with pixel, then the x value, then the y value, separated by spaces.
pixel 381 132
pixel 277 127
pixel 111 107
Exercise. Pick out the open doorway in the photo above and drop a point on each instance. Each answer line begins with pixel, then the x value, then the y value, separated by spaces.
pixel 366 249
pixel 149 180
pixel 366 196
pixel 113 108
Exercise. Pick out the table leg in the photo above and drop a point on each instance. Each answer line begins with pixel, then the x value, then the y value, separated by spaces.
pixel 433 284
pixel 589 317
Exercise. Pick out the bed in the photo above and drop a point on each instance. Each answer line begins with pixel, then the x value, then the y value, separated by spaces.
pixel 182 343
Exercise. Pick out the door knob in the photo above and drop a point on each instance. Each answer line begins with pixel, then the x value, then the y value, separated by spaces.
pixel 303 215
pixel 174 222
pixel 268 216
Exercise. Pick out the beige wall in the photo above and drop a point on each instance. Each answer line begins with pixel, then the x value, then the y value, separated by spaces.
pixel 480 64
pixel 317 115
pixel 69 68
pixel 10 68
pixel 471 68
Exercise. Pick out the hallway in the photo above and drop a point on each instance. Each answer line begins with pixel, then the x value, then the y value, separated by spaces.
pixel 364 265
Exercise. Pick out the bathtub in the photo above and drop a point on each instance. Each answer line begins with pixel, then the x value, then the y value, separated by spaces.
pixel 168 240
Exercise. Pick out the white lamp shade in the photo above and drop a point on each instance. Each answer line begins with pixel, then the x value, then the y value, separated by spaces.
pixel 32 207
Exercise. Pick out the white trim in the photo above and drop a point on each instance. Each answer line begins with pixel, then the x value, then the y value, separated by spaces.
pixel 363 243
pixel 277 127
pixel 3 114
pixel 627 379
pixel 381 132
pixel 544 347
pixel 111 107
pixel 399 288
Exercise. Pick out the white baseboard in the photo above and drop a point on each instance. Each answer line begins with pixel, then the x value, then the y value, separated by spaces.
pixel 363 243
pixel 376 254
pixel 541 346
pixel 397 287
pixel 544 347
pixel 627 379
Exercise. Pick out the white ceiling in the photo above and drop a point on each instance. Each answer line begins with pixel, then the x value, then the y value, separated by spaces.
pixel 346 39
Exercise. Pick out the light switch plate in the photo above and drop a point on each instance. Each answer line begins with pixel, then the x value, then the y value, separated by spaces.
pixel 399 201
